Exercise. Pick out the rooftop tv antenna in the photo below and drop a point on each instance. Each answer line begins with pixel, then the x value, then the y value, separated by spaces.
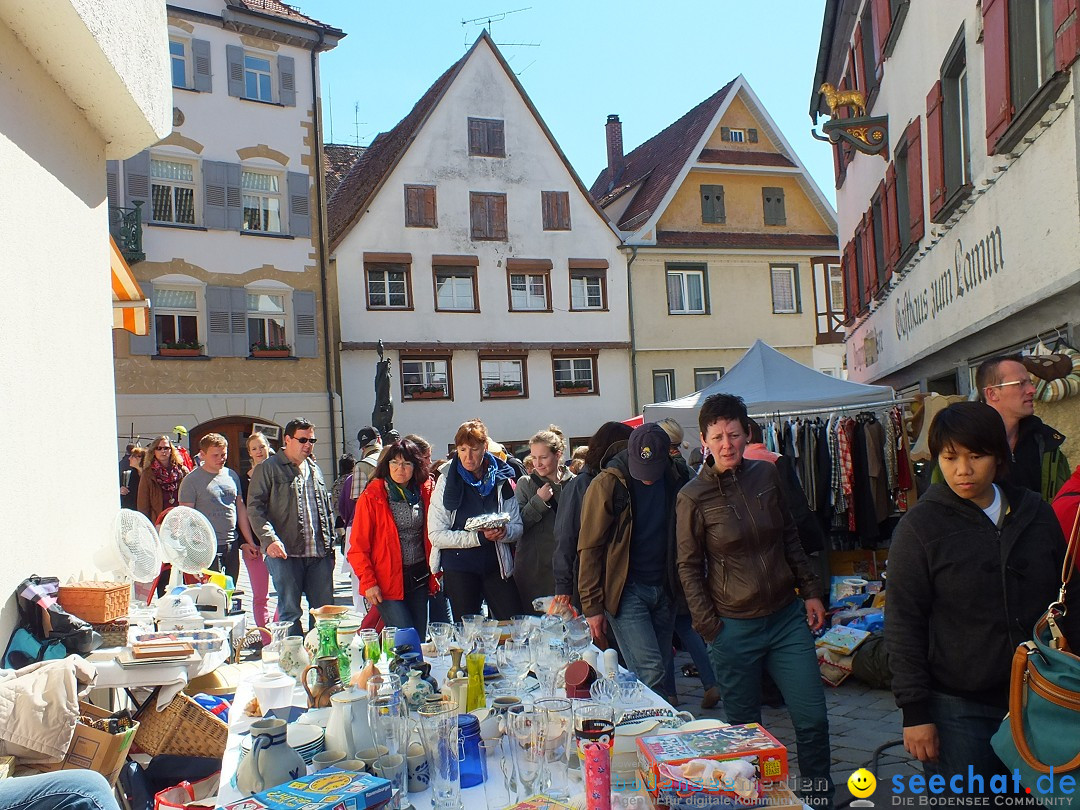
pixel 356 120
pixel 487 19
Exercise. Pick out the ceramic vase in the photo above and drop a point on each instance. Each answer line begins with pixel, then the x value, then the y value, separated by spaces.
pixel 327 681
pixel 294 657
pixel 416 690
pixel 271 761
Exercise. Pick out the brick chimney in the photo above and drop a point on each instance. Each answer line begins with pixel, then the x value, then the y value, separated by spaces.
pixel 615 160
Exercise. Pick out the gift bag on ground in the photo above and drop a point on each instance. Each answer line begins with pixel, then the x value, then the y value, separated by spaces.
pixel 1041 734
pixel 189 794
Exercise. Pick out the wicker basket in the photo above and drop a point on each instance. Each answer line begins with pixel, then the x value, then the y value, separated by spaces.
pixel 96 602
pixel 184 728
pixel 114 633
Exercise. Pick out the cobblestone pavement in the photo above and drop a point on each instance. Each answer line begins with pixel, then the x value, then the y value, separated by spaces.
pixel 861 719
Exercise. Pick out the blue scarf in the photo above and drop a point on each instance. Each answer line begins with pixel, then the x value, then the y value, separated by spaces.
pixel 483 485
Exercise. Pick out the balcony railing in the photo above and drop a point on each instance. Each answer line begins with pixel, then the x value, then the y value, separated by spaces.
pixel 125 225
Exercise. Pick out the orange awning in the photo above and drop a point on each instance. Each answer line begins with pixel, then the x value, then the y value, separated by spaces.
pixel 131 310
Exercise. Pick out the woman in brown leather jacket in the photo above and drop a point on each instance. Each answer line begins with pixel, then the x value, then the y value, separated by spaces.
pixel 740 561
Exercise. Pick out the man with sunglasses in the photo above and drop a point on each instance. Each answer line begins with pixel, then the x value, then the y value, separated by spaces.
pixel 1037 463
pixel 289 507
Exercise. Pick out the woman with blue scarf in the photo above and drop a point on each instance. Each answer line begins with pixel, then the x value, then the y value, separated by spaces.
pixel 477 565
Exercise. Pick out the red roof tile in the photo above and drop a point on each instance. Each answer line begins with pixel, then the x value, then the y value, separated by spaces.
pixel 657 162
pixel 749 241
pixel 358 187
pixel 338 158
pixel 276 8
pixel 741 158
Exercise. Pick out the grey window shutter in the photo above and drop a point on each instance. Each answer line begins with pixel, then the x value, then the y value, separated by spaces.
pixel 304 332
pixel 751 135
pixel 234 200
pixel 773 203
pixel 286 67
pixel 214 208
pixel 725 133
pixel 219 342
pixel 238 305
pixel 299 204
pixel 798 292
pixel 112 182
pixel 712 204
pixel 137 180
pixel 145 344
pixel 234 55
pixel 200 52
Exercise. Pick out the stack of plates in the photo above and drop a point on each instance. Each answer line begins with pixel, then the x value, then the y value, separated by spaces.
pixel 305 740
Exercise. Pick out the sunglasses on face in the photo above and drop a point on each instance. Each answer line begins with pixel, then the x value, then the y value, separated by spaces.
pixel 163 447
pixel 1021 383
pixel 304 439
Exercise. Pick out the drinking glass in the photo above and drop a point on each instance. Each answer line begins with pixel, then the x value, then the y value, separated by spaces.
pixel 442 635
pixel 439 728
pixel 520 626
pixel 594 723
pixel 524 727
pixel 578 636
pixel 372 648
pixel 512 659
pixel 550 663
pixel 498 768
pixel 388 713
pixel 558 722
pixel 389 634
pixel 490 632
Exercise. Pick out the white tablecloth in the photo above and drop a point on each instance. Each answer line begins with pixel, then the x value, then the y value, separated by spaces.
pixel 472 798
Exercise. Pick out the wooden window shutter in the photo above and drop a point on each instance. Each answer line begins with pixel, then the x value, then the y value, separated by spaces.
pixel 915 180
pixel 838 164
pixel 305 334
pixel 886 213
pixel 413 207
pixel 725 133
pixel 496 138
pixel 299 204
pixel 861 81
pixel 851 288
pixel 497 215
pixel 935 150
pixel 476 137
pixel 712 204
pixel 431 217
pixel 881 14
pixel 891 225
pixel 478 216
pixel 286 66
pixel 234 57
pixel 547 210
pixel 137 180
pixel 860 267
pixel 1067 38
pixel 200 52
pixel 751 135
pixel 999 110
pixel 870 262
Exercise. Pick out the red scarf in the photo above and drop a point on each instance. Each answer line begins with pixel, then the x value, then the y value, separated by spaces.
pixel 168 478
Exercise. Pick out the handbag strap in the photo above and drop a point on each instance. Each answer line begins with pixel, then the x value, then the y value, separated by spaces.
pixel 1057 608
pixel 1017 692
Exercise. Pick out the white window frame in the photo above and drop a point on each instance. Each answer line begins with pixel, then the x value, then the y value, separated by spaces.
pixel 524 299
pixel 684 274
pixel 186 56
pixel 433 372
pixel 461 278
pixel 502 371
pixel 669 375
pixel 269 72
pixel 780 272
pixel 385 268
pixel 193 185
pixel 262 196
pixel 736 135
pixel 286 314
pixel 699 373
pixel 836 287
pixel 580 293
pixel 577 371
pixel 183 284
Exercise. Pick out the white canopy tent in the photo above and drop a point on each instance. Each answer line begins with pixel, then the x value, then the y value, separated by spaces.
pixel 771 382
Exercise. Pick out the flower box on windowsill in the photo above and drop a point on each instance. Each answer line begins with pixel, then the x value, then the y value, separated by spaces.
pixel 164 352
pixel 513 392
pixel 270 353
pixel 427 395
pixel 575 389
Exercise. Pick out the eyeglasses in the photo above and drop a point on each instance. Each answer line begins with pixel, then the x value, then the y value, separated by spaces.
pixel 399 462
pixel 304 439
pixel 1021 383
pixel 163 447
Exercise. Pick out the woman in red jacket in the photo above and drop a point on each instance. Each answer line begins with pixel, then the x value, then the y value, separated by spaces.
pixel 389 547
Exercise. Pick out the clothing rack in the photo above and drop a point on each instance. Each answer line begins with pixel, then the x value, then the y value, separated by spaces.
pixel 864 406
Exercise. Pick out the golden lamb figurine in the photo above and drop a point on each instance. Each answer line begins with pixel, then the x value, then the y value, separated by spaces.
pixel 854 100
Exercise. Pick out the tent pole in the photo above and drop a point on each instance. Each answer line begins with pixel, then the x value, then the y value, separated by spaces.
pixel 862 406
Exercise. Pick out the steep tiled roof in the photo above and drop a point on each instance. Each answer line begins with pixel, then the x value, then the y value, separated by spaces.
pixel 359 185
pixel 276 8
pixel 781 241
pixel 739 157
pixel 338 158
pixel 656 163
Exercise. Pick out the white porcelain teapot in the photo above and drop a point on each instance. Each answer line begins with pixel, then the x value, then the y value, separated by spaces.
pixel 348 729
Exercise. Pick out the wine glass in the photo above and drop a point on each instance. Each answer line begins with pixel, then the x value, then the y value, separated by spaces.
pixel 520 626
pixel 550 662
pixel 490 632
pixel 512 660
pixel 578 636
pixel 442 636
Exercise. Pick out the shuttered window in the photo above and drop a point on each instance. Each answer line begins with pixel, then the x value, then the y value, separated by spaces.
pixel 420 207
pixel 486 137
pixel 712 204
pixel 172 191
pixel 487 215
pixel 555 206
pixel 772 200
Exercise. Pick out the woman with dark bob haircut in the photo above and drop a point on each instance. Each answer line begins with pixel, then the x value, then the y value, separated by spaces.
pixel 972 567
pixel 389 545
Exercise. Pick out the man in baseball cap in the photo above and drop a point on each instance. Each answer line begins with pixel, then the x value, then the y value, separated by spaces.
pixel 626 553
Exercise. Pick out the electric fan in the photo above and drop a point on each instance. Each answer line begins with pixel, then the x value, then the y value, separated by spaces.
pixel 189 541
pixel 135 551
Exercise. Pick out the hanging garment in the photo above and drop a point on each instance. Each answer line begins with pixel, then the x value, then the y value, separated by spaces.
pixel 875 467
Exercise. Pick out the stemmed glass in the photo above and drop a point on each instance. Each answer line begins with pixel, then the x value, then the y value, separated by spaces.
pixel 490 633
pixel 442 636
pixel 578 636
pixel 520 626
pixel 550 662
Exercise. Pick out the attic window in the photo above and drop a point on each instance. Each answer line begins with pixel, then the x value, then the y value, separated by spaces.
pixel 732 135
pixel 737 135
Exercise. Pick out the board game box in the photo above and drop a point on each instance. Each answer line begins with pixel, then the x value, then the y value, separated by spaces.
pixel 328 789
pixel 728 742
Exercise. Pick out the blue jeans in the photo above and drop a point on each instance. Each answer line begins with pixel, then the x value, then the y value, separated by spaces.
pixel 60 790
pixel 964 730
pixel 699 654
pixel 311 576
pixel 412 611
pixel 782 644
pixel 643 627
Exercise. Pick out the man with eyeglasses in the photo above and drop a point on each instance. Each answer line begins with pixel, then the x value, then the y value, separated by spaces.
pixel 289 507
pixel 1037 463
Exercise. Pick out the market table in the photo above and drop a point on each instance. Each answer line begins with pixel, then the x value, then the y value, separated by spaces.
pixel 472 798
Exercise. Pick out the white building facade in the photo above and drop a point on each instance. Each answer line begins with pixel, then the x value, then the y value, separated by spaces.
pixel 89 86
pixel 232 233
pixel 466 243
pixel 965 241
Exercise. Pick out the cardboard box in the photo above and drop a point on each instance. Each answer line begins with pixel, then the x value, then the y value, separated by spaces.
pixel 776 796
pixel 729 742
pixel 328 789
pixel 95 750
